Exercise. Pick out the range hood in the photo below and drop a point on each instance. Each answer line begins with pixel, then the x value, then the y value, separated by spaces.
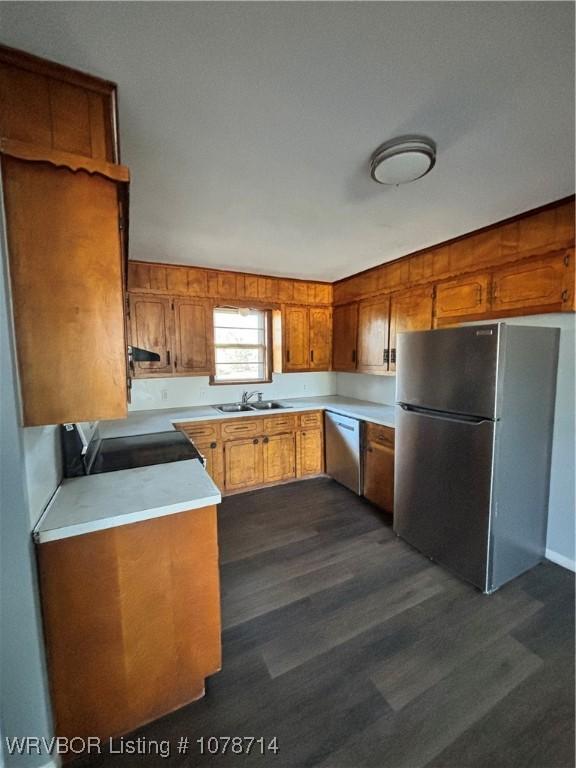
pixel 139 355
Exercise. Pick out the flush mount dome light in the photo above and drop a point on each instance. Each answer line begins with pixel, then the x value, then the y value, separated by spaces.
pixel 402 160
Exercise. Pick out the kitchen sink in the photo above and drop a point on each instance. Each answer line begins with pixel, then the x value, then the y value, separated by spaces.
pixel 261 405
pixel 232 407
pixel 267 405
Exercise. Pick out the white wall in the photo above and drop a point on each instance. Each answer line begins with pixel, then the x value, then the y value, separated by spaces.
pixel 376 389
pixel 561 538
pixel 196 390
pixel 24 708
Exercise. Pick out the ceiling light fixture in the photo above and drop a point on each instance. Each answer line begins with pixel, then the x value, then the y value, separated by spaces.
pixel 402 160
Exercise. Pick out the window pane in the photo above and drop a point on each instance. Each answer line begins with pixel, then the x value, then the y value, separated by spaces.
pixel 235 355
pixel 240 344
pixel 238 336
pixel 226 318
pixel 239 372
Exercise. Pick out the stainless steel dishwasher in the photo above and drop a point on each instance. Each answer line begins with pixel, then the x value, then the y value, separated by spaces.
pixel 343 462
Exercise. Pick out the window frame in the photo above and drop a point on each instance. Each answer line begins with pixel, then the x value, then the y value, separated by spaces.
pixel 267 352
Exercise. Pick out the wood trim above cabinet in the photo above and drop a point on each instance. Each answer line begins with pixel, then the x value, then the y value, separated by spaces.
pixel 24 151
pixel 204 282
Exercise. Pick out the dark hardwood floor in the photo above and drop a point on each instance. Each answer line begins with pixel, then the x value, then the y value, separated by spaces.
pixel 355 650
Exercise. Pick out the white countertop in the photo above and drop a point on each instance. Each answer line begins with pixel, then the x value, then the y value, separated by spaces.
pixel 146 422
pixel 96 502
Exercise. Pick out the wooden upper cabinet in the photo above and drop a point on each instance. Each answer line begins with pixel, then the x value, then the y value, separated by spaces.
pixel 409 311
pixel 66 275
pixel 296 339
pixel 465 297
pixel 535 284
pixel 320 338
pixel 151 329
pixel 194 337
pixel 373 350
pixel 57 108
pixel 344 337
pixel 279 457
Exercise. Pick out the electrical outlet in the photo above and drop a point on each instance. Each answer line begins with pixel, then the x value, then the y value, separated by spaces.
pixel 202 395
pixel 164 394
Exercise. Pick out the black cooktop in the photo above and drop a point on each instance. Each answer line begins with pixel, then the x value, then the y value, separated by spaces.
pixel 142 451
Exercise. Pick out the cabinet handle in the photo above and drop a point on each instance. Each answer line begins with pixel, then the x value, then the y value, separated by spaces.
pixel 393 357
pixel 255 441
pixel 265 440
pixel 167 357
pixel 311 355
pixel 386 357
pixel 212 445
pixel 564 295
pixel 287 355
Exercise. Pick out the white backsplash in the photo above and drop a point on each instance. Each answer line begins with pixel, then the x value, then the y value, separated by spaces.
pixel 183 391
pixel 364 386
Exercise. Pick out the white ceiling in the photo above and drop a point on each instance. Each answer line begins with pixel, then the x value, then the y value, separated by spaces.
pixel 248 127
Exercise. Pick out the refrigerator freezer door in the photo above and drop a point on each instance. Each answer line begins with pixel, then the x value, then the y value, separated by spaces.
pixel 443 490
pixel 451 370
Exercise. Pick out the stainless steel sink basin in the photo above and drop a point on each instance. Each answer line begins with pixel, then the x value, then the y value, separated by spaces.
pixel 267 405
pixel 232 407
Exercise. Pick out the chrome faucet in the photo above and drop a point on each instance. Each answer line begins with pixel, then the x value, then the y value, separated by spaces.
pixel 247 395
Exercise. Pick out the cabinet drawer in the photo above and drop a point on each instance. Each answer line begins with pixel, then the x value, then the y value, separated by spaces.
pixel 310 419
pixel 198 430
pixel 276 424
pixel 242 428
pixel 379 434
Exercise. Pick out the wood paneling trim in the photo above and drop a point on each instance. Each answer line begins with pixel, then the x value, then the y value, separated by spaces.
pixel 533 233
pixel 21 150
pixel 31 63
pixel 249 289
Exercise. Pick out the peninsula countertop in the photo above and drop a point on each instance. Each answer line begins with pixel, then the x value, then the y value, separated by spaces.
pixel 161 420
pixel 97 502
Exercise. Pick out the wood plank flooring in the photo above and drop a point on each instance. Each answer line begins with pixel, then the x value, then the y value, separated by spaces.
pixel 355 650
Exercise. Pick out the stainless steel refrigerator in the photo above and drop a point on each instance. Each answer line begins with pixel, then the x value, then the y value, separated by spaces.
pixel 475 410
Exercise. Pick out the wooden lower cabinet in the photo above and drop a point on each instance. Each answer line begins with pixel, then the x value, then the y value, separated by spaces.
pixel 279 458
pixel 243 463
pixel 309 452
pixel 213 453
pixel 379 466
pixel 131 620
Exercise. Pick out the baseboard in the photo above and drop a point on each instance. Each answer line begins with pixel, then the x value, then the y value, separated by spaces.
pixel 565 562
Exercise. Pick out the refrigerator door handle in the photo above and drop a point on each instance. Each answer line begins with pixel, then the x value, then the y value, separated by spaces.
pixel 444 415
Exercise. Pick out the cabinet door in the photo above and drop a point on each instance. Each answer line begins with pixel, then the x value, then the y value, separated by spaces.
pixel 66 277
pixel 344 335
pixel 465 297
pixel 379 475
pixel 373 350
pixel 279 453
pixel 320 338
pixel 296 339
pixel 409 311
pixel 310 452
pixel 194 333
pixel 213 452
pixel 536 284
pixel 243 463
pixel 151 329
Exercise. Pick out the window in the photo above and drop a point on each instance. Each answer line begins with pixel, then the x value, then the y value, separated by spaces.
pixel 240 345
